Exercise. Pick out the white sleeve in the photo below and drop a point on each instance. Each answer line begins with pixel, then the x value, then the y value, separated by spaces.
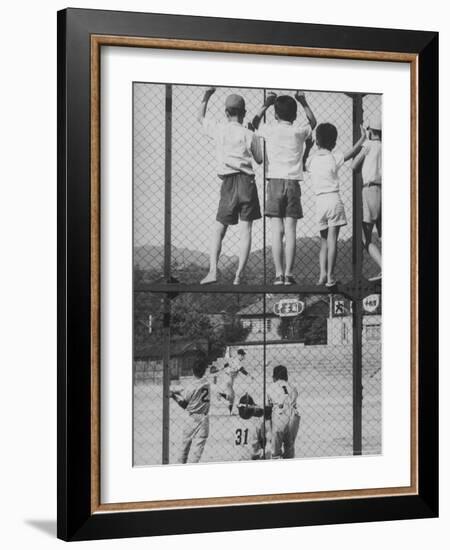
pixel 263 131
pixel 256 148
pixel 339 159
pixel 304 132
pixel 366 147
pixel 209 127
pixel 186 393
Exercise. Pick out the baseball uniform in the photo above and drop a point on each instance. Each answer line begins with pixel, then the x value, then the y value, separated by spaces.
pixel 249 439
pixel 197 395
pixel 285 418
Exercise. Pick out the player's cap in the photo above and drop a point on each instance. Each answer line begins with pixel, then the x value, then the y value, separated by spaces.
pixel 246 406
pixel 241 351
pixel 375 122
pixel 235 101
pixel 280 372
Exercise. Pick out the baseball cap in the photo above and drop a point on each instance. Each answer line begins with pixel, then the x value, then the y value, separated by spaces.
pixel 235 101
pixel 375 122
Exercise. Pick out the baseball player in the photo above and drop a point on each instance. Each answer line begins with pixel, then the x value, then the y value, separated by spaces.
pixel 195 399
pixel 227 377
pixel 251 431
pixel 282 397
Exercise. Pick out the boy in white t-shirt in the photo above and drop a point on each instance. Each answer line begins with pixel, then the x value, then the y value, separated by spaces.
pixel 284 149
pixel 370 161
pixel 324 166
pixel 236 149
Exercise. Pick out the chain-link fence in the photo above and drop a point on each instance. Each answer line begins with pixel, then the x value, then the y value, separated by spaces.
pixel 177 321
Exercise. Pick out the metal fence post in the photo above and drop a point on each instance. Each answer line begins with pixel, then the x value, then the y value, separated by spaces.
pixel 357 281
pixel 167 275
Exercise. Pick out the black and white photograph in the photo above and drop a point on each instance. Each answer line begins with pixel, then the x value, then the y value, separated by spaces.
pixel 257 273
pixel 222 310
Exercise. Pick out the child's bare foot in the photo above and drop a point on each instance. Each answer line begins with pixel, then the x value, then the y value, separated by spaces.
pixel 237 279
pixel 331 282
pixel 209 279
pixel 322 280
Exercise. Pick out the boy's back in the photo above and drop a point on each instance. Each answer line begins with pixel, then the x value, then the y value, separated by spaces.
pixel 372 165
pixel 236 146
pixel 248 439
pixel 284 146
pixel 324 166
pixel 283 397
pixel 197 395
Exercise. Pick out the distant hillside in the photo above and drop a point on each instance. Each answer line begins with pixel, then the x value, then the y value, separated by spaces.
pixel 150 257
pixel 190 265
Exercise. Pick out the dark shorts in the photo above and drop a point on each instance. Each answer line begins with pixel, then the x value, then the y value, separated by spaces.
pixel 283 199
pixel 238 199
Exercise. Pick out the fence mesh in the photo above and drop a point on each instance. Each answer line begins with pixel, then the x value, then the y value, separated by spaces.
pixel 316 346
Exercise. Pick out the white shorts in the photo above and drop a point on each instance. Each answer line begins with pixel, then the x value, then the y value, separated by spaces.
pixel 371 198
pixel 330 211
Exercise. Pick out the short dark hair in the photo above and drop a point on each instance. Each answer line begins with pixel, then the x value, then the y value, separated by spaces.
pixel 286 108
pixel 326 136
pixel 280 373
pixel 241 351
pixel 235 111
pixel 199 367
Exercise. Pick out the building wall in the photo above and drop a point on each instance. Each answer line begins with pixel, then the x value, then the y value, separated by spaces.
pixel 332 358
pixel 340 330
pixel 256 326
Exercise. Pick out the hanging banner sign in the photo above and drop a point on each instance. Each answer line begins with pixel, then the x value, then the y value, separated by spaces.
pixel 371 303
pixel 289 307
pixel 341 306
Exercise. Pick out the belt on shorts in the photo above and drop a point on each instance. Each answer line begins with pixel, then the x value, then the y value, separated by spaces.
pixel 372 184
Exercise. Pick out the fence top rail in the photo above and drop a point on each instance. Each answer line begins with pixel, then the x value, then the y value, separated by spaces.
pixel 348 289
